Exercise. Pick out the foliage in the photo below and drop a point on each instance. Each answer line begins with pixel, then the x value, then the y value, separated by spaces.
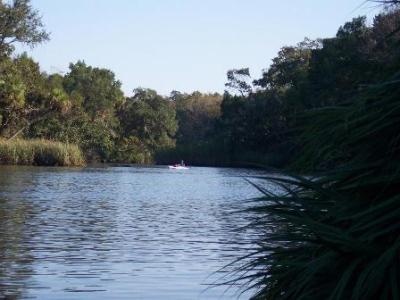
pixel 148 123
pixel 132 150
pixel 196 114
pixel 100 91
pixel 251 123
pixel 93 137
pixel 19 23
pixel 238 81
pixel 336 236
pixel 311 75
pixel 260 121
pixel 20 83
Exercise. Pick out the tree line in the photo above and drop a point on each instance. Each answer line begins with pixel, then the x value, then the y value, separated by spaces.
pixel 267 120
pixel 259 121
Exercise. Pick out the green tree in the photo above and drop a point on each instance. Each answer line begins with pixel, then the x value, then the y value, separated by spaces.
pixel 19 23
pixel 197 114
pixel 101 92
pixel 288 74
pixel 148 122
pixel 239 80
pixel 12 98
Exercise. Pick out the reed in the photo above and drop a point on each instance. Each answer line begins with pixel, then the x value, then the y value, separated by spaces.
pixel 40 152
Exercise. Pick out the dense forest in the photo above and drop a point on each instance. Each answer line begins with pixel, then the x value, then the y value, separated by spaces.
pixel 256 121
pixel 335 233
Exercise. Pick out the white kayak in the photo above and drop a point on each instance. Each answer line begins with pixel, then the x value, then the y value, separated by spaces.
pixel 178 167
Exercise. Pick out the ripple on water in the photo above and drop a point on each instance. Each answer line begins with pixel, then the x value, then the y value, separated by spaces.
pixel 120 233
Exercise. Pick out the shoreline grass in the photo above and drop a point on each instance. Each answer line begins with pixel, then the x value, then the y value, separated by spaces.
pixel 40 152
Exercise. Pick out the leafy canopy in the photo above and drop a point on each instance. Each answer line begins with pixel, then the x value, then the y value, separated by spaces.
pixel 19 23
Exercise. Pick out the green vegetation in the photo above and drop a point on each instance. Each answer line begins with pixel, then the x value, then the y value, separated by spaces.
pixel 328 107
pixel 40 152
pixel 85 107
pixel 335 235
pixel 257 121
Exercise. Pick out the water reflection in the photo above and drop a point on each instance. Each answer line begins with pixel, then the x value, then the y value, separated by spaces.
pixel 119 233
pixel 16 258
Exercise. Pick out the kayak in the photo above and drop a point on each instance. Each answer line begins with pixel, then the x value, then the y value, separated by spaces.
pixel 178 167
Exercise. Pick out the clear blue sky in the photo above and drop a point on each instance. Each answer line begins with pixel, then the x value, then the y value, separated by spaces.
pixel 184 45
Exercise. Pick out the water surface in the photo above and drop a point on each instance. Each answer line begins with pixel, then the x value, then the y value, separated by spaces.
pixel 120 233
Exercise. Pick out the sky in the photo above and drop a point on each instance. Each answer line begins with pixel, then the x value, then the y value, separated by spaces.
pixel 183 45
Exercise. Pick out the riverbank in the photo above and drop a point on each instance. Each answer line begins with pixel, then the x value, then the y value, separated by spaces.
pixel 40 153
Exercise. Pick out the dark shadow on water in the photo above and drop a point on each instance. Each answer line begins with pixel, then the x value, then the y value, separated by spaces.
pixel 16 258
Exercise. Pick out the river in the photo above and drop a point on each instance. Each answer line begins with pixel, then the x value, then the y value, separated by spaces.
pixel 121 232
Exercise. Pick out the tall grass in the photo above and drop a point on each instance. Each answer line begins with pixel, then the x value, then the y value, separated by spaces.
pixel 40 152
pixel 336 236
